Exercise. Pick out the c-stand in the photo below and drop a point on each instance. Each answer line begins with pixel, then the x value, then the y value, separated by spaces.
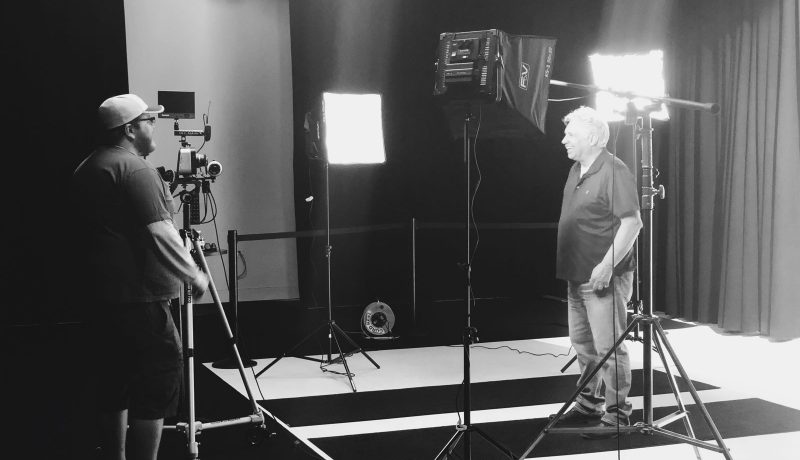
pixel 191 427
pixel 470 333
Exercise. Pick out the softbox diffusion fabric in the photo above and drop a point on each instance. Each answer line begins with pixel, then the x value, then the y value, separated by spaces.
pixel 525 75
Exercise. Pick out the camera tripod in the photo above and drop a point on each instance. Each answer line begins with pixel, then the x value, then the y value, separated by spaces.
pixel 191 427
pixel 653 335
pixel 334 331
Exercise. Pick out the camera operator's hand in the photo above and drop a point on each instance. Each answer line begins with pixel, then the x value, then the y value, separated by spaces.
pixel 200 284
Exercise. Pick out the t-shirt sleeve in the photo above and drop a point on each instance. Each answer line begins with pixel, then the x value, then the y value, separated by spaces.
pixel 626 200
pixel 145 190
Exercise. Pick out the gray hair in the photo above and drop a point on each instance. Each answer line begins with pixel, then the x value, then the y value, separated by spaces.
pixel 589 117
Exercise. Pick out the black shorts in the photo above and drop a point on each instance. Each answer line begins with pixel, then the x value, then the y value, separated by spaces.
pixel 140 362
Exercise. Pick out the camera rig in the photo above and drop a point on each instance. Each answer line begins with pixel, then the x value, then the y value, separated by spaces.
pixel 192 167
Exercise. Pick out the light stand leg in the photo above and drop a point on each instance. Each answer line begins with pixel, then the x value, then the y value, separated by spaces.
pixel 342 333
pixel 331 325
pixel 717 436
pixel 344 360
pixel 550 426
pixel 676 391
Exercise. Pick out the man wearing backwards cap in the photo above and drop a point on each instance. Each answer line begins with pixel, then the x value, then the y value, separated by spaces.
pixel 135 264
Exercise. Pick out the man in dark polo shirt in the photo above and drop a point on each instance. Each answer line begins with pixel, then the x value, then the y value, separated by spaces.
pixel 134 262
pixel 597 229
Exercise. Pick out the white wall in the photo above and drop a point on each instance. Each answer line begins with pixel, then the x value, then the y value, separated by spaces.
pixel 236 54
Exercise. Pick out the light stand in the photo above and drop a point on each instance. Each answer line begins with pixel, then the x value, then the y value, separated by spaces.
pixel 653 332
pixel 191 427
pixel 464 431
pixel 331 326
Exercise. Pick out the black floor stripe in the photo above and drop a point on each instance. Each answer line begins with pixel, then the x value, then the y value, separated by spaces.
pixel 376 405
pixel 737 418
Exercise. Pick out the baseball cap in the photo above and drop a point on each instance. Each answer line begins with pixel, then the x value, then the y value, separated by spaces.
pixel 118 110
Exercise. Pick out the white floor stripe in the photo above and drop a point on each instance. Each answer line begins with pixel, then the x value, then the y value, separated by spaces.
pixel 782 446
pixel 483 416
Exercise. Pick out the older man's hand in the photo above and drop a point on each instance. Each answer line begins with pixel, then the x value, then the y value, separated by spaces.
pixel 601 276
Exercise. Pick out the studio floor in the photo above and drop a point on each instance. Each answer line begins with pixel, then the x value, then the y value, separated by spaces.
pixel 410 406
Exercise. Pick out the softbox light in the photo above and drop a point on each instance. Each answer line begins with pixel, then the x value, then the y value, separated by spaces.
pixel 346 129
pixel 502 78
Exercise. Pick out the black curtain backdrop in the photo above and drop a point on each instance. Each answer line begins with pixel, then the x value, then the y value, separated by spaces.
pixel 63 60
pixel 726 236
pixel 390 47
pixel 731 243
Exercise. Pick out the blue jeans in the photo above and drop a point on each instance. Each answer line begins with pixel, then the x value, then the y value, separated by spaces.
pixel 596 320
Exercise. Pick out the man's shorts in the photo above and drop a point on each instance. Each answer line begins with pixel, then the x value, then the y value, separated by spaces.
pixel 140 362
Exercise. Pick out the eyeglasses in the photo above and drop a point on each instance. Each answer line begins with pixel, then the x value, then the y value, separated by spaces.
pixel 151 120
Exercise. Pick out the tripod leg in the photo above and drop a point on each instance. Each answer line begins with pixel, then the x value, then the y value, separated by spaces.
pixel 663 336
pixel 448 448
pixel 496 445
pixel 353 343
pixel 191 427
pixel 229 334
pixel 344 361
pixel 674 385
pixel 293 349
pixel 581 386
pixel 569 363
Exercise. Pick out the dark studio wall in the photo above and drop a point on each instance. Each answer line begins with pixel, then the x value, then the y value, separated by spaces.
pixel 389 47
pixel 63 59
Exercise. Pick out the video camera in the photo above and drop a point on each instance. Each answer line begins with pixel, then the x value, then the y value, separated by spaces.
pixel 192 166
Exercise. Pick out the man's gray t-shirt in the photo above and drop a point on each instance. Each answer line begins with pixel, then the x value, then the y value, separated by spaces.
pixel 117 194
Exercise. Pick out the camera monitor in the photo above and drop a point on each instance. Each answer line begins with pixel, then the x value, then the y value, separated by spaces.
pixel 177 104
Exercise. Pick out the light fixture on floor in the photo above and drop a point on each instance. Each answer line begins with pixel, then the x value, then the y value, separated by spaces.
pixel 377 320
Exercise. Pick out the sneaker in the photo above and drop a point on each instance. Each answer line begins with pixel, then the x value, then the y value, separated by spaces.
pixel 607 435
pixel 574 418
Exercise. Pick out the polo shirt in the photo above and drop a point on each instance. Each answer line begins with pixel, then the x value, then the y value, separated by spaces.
pixel 592 207
pixel 116 195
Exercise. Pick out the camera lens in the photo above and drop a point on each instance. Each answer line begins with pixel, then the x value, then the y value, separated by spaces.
pixel 214 168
